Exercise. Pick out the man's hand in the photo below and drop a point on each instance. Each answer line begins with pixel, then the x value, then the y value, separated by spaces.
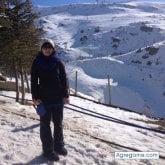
pixel 36 101
pixel 66 100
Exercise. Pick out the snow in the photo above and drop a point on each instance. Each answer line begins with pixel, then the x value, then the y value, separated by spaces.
pixel 98 40
pixel 89 140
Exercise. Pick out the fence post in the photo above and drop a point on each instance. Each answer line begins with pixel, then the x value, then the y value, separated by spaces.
pixel 109 90
pixel 76 85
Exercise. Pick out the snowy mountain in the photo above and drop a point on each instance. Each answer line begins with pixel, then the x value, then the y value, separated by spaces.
pixel 123 40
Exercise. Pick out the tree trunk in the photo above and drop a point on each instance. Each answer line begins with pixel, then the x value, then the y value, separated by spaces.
pixel 16 82
pixel 22 86
pixel 27 82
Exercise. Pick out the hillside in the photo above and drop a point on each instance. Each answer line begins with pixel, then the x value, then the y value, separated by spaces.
pixel 89 140
pixel 123 40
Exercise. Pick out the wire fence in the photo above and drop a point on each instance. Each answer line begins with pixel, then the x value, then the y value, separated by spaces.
pixel 10 86
pixel 101 116
pixel 5 85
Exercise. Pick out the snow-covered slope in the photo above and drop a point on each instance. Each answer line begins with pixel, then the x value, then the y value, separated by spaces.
pixel 123 40
pixel 88 140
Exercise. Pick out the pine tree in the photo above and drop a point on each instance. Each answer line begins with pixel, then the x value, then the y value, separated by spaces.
pixel 19 36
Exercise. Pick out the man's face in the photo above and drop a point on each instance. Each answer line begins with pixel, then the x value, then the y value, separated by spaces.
pixel 47 50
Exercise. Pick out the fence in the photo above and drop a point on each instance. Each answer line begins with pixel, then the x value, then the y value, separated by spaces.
pixel 109 88
pixel 9 86
pixel 108 99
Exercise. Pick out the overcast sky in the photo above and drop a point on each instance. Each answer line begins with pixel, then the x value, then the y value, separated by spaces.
pixel 63 2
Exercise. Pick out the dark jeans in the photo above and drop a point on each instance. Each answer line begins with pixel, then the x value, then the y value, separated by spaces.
pixel 49 142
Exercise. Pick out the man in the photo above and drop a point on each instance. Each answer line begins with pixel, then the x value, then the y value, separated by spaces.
pixel 49 87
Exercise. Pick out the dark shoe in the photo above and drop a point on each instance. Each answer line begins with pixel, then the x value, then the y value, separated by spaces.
pixel 51 156
pixel 61 150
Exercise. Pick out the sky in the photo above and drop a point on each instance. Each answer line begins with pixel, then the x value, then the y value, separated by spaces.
pixel 60 2
pixel 63 2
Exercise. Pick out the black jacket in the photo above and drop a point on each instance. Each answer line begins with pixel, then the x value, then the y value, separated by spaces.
pixel 48 79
